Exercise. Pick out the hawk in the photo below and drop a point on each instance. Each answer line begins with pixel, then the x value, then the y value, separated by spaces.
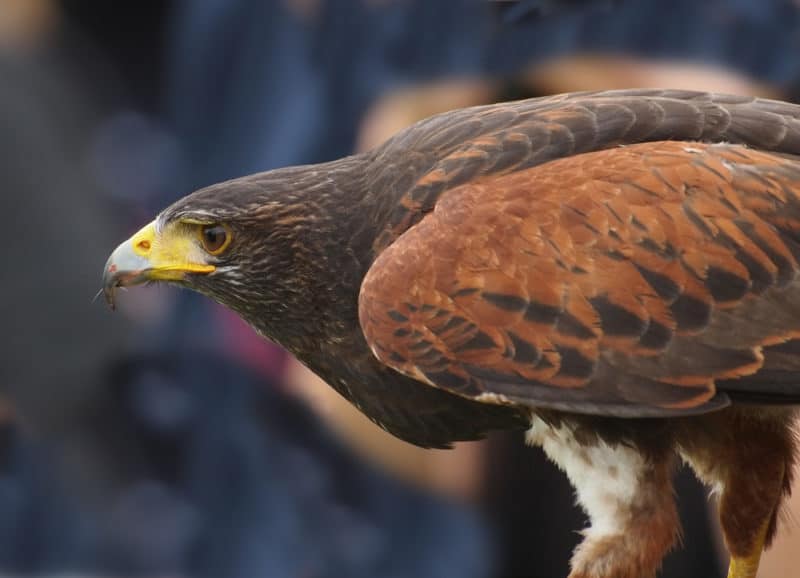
pixel 618 273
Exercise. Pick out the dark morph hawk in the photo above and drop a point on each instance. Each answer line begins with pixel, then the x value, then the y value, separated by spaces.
pixel 615 272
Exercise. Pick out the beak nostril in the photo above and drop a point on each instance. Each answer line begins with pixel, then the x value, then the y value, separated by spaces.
pixel 144 245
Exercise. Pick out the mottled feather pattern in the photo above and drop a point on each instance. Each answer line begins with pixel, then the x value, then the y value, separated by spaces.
pixel 444 151
pixel 635 274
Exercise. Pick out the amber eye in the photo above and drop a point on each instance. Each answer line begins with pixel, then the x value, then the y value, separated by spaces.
pixel 215 238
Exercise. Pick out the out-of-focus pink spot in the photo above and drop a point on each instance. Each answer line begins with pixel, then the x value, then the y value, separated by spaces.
pixel 112 268
pixel 244 345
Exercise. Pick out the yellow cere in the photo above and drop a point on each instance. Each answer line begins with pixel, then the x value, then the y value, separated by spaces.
pixel 171 252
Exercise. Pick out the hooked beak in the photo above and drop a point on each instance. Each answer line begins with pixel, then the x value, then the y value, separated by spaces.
pixel 149 257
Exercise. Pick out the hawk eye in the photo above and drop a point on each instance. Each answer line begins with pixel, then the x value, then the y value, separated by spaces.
pixel 215 238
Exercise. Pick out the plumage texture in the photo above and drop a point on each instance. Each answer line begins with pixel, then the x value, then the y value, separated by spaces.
pixel 620 282
pixel 617 271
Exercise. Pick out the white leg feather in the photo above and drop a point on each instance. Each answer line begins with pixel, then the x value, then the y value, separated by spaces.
pixel 623 493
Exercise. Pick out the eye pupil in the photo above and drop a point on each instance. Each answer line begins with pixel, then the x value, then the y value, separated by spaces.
pixel 215 238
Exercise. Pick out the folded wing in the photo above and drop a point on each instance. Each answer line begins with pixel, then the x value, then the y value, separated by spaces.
pixel 628 281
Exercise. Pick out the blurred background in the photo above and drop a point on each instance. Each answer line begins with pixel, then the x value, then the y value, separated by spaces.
pixel 168 440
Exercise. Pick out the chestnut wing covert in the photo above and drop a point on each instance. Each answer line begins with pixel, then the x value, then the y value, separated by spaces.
pixel 621 282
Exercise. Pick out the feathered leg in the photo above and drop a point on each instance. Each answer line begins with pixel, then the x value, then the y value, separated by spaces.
pixel 625 489
pixel 746 455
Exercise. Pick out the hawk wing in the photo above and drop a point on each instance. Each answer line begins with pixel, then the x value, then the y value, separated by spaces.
pixel 627 281
pixel 418 164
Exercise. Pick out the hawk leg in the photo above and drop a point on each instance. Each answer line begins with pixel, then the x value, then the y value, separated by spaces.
pixel 746 455
pixel 627 495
